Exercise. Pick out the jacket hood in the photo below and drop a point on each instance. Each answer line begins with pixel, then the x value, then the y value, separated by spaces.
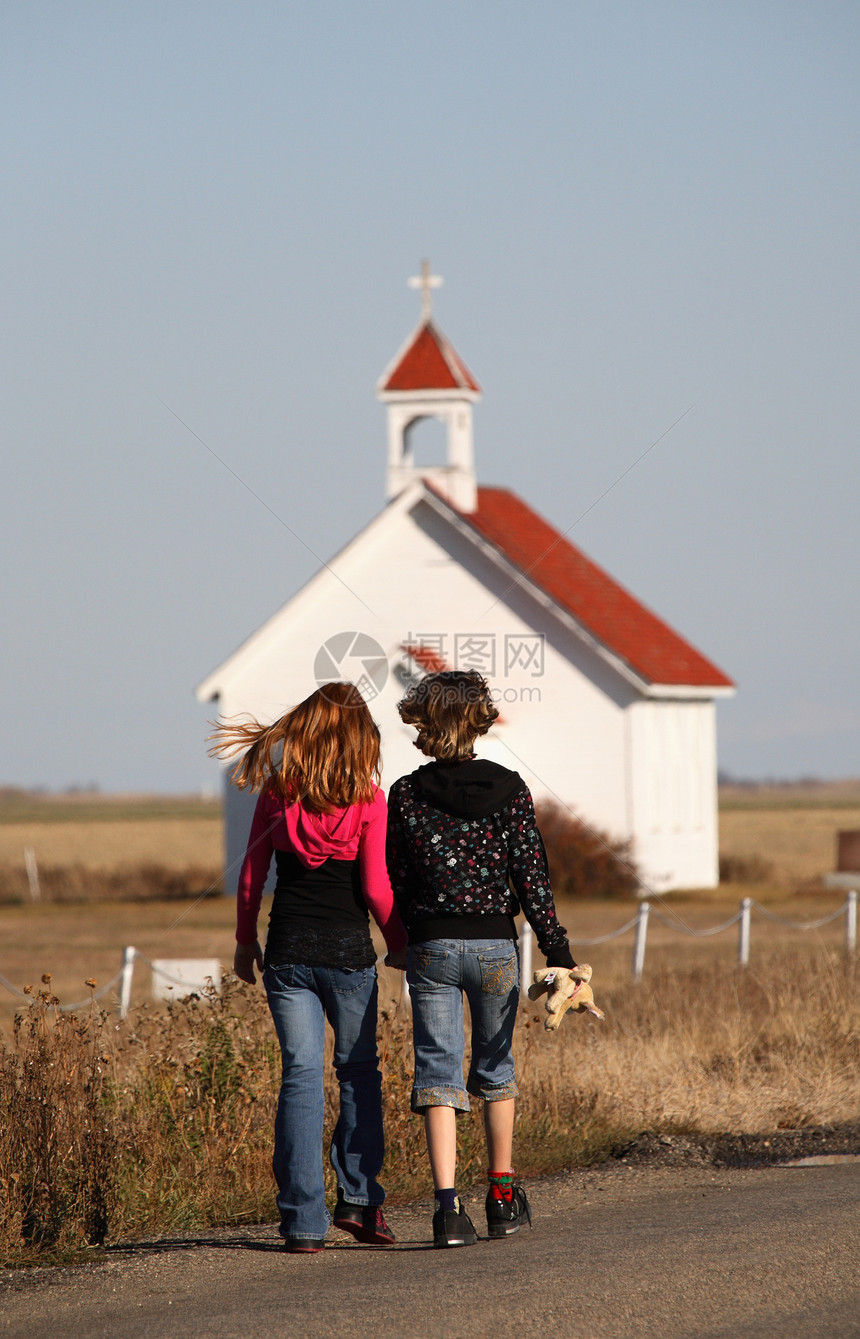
pixel 473 788
pixel 315 838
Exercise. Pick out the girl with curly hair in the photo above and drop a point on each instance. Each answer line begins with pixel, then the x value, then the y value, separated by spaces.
pixel 464 854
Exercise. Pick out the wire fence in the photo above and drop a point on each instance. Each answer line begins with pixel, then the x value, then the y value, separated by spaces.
pixel 64 1008
pixel 199 975
pixel 742 918
pixel 185 975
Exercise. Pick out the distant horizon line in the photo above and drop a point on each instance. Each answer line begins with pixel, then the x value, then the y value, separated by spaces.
pixel 10 791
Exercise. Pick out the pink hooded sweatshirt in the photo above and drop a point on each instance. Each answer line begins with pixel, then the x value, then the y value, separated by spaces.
pixel 358 830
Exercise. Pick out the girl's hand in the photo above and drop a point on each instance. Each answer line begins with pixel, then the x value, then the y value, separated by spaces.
pixel 244 959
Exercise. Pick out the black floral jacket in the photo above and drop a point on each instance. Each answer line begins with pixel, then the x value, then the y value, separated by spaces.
pixel 443 864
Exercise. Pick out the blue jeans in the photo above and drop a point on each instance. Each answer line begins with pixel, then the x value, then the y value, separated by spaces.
pixel 439 973
pixel 301 998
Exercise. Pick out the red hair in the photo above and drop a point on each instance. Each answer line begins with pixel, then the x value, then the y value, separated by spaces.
pixel 328 747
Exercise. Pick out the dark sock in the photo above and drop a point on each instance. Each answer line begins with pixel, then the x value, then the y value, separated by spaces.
pixel 447 1199
pixel 501 1185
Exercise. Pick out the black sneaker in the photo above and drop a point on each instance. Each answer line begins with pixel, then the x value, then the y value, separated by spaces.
pixel 366 1222
pixel 304 1245
pixel 507 1216
pixel 453 1227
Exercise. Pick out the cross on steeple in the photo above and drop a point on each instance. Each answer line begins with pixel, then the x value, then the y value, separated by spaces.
pixel 426 282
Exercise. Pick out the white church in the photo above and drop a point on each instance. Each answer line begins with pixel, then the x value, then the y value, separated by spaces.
pixel 603 706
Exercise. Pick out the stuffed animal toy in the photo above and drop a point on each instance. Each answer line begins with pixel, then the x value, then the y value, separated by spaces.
pixel 565 988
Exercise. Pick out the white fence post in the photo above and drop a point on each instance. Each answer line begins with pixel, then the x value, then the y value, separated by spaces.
pixel 639 941
pixel 128 956
pixel 744 932
pixel 851 923
pixel 527 939
pixel 32 873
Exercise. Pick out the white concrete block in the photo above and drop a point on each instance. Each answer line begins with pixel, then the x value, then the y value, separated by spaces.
pixel 176 978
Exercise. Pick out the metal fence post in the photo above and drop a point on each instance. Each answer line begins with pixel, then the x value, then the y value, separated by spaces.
pixel 744 932
pixel 639 941
pixel 851 923
pixel 128 956
pixel 527 939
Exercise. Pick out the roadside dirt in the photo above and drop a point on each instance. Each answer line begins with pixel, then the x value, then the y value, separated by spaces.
pixel 739 1150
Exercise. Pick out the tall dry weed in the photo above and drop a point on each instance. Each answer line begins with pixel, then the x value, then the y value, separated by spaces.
pixel 198 1091
pixel 58 1141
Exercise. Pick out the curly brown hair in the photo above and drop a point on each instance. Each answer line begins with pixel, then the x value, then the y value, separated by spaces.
pixel 324 753
pixel 449 710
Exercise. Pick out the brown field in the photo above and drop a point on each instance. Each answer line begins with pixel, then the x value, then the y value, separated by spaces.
pixel 799 843
pixel 793 831
pixel 791 827
pixel 75 941
pixel 100 843
pixel 163 1124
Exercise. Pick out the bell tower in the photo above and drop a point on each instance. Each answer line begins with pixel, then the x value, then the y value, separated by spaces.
pixel 427 378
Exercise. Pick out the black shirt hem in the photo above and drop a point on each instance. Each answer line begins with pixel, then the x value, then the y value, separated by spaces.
pixel 495 926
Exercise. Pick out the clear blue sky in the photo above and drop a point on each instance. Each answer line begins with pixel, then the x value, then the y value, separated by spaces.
pixel 636 208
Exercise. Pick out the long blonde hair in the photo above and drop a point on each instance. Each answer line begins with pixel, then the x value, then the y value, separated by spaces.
pixel 328 746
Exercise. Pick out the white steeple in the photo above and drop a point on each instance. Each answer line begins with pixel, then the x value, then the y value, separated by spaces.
pixel 428 379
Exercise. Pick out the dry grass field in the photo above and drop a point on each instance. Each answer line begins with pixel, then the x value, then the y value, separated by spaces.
pixel 108 833
pixel 163 1124
pixel 74 942
pixel 792 828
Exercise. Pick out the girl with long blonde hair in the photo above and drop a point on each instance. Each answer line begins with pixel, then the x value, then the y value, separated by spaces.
pixel 321 813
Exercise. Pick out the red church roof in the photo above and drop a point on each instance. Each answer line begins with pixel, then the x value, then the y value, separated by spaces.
pixel 429 363
pixel 614 616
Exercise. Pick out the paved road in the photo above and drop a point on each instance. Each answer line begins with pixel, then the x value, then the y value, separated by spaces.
pixel 618 1253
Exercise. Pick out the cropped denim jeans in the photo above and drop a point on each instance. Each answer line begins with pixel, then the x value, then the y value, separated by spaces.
pixel 300 999
pixel 439 973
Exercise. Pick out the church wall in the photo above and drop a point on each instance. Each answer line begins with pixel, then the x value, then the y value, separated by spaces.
pixel 674 801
